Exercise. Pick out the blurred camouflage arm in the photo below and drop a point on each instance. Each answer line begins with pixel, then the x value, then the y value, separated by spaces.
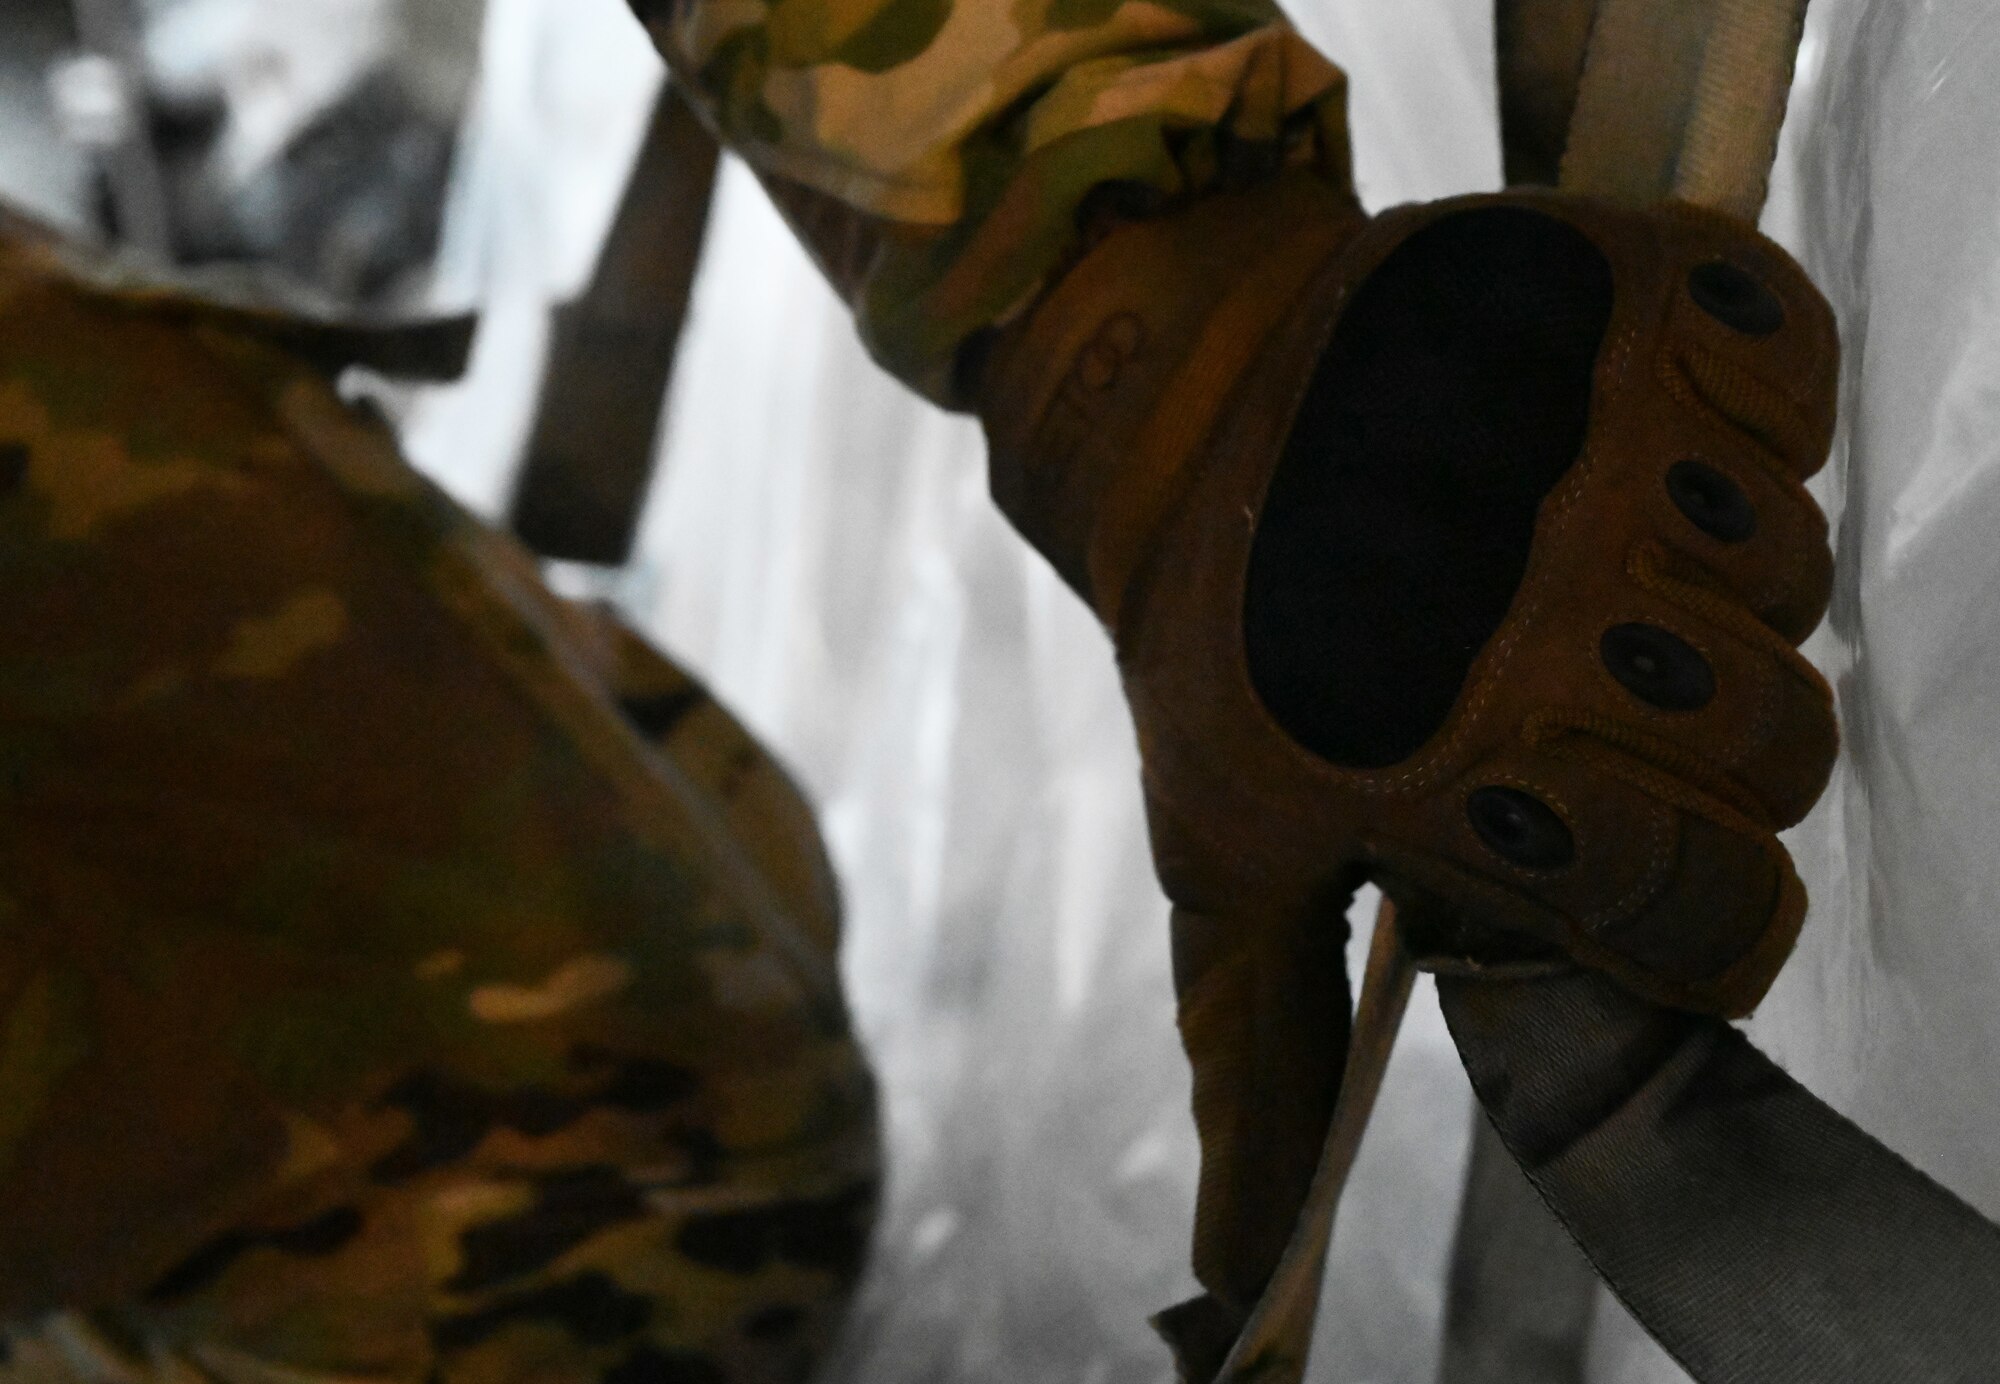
pixel 941 158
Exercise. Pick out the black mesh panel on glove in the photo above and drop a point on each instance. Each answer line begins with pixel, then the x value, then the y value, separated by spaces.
pixel 1452 398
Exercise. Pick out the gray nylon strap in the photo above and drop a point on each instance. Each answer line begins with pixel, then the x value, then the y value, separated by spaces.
pixel 1672 98
pixel 1520 1298
pixel 1760 1237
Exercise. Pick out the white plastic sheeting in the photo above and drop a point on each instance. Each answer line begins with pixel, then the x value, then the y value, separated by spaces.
pixel 823 550
pixel 38 171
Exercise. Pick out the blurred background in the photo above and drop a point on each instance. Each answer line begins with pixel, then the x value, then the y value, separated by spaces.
pixel 821 548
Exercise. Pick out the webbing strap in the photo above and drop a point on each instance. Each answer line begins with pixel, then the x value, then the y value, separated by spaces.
pixel 1757 1235
pixel 591 457
pixel 1675 98
pixel 1520 1298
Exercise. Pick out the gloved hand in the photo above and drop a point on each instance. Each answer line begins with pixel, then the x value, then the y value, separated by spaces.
pixel 1464 549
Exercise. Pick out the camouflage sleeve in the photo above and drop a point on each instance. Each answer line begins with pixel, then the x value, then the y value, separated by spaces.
pixel 940 157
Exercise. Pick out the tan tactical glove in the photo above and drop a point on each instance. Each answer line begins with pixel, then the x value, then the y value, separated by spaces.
pixel 1463 549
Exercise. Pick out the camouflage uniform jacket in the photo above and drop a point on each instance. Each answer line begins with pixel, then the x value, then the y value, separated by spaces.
pixel 404 975
pixel 942 158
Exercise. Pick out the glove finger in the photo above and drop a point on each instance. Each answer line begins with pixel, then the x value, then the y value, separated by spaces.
pixel 1626 868
pixel 1264 1017
pixel 1260 973
pixel 1748 529
pixel 1687 680
pixel 1749 343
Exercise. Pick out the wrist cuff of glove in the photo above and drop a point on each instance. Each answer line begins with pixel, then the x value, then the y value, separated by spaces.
pixel 1098 402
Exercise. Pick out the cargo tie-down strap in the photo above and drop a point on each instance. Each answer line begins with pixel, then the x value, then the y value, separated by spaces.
pixel 1760 1237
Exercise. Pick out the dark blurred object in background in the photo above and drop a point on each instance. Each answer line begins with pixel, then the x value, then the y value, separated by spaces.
pixel 39 170
pixel 315 140
pixel 351 204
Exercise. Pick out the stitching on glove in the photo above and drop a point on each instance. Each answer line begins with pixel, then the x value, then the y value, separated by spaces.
pixel 1648 779
pixel 1545 727
pixel 1649 568
pixel 1656 869
pixel 1708 381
